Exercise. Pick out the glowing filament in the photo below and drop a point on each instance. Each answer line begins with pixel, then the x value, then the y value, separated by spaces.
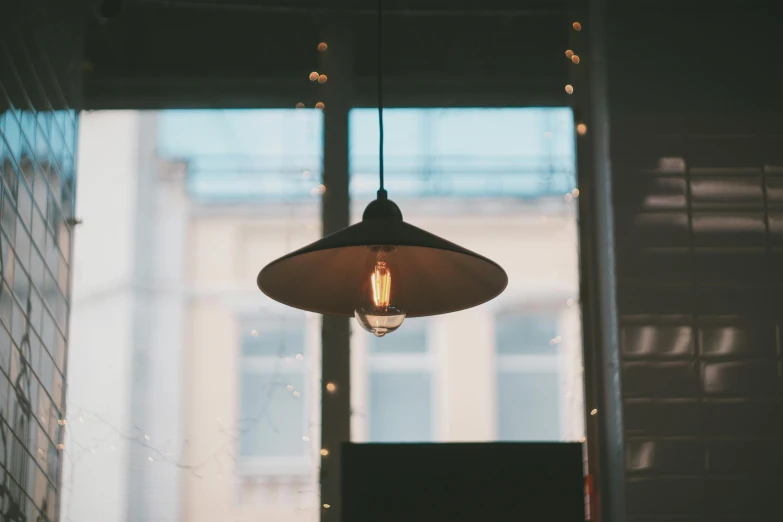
pixel 381 284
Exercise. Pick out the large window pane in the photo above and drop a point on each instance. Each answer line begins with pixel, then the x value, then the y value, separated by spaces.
pixel 194 396
pixel 500 182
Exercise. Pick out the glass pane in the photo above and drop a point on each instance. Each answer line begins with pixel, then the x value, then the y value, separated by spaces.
pixel 400 408
pixel 526 333
pixel 528 406
pixel 222 193
pixel 500 182
pixel 283 342
pixel 412 339
pixel 272 419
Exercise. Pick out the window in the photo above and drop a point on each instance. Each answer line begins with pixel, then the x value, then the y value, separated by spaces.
pixel 528 379
pixel 400 385
pixel 273 413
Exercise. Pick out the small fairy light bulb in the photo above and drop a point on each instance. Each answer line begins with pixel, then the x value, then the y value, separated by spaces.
pixel 289 388
pixel 569 89
pixel 327 506
pixel 321 188
pixel 581 129
pixel 299 357
pixel 319 105
pixel 324 452
pixel 314 76
pixel 81 419
pixel 555 340
pixel 547 134
pixel 577 26
pixel 575 192
pixel 575 59
pixel 305 173
pixel 300 105
pixel 331 387
pixel 61 447
pixel 314 191
pixel 570 301
pixel 594 412
pixel 569 53
pixel 146 437
pixel 322 78
pixel 150 459
pixel 296 394
pixel 322 46
pixel 254 333
pixel 568 197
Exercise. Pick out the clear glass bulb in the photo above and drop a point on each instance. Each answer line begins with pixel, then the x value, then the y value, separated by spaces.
pixel 375 309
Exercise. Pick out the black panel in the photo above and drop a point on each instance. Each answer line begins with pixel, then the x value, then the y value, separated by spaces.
pixel 462 482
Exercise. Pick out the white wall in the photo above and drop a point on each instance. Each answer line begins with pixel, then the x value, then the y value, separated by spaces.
pixel 101 337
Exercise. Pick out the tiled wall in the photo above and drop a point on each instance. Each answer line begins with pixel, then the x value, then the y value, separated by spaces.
pixel 37 144
pixel 697 165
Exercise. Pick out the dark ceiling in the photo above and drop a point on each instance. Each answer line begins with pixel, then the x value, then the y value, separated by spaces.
pixel 252 54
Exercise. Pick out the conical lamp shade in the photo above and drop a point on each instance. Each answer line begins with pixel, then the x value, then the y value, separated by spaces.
pixel 436 276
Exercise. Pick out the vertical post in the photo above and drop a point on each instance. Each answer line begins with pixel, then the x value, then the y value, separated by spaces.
pixel 603 397
pixel 336 63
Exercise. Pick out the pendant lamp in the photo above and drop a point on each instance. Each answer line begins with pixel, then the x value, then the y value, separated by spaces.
pixel 382 269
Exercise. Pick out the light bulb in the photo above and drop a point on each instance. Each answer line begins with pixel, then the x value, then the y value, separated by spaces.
pixel 375 310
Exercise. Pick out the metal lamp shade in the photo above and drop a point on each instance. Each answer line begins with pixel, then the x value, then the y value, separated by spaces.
pixel 435 275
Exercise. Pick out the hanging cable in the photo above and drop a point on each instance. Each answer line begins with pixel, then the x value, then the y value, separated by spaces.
pixel 380 93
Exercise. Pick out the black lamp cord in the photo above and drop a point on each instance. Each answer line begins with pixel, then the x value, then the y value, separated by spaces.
pixel 381 191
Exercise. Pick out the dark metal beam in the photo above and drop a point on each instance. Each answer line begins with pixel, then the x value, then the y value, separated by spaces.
pixel 336 63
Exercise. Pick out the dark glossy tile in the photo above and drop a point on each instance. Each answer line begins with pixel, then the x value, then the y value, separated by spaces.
pixel 660 379
pixel 656 340
pixel 665 496
pixel 658 417
pixel 746 339
pixel 666 457
pixel 742 378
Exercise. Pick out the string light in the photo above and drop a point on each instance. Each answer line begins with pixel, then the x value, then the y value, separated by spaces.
pixel 322 46
pixel 321 188
pixel 583 440
pixel 313 76
pixel 61 447
pixel 305 438
pixel 150 459
pixel 299 357
pixel 575 58
pixel 570 301
pixel 300 105
pixel 547 134
pixel 569 53
pixel 324 452
pixel 322 78
pixel 319 105
pixel 555 341
pixel 296 394
pixel 577 26
pixel 575 192
pixel 568 197
pixel 331 387
pixel 289 388
pixel 254 333
pixel 81 419
pixel 314 191
pixel 146 437
pixel 327 506
pixel 306 174
pixel 569 89
pixel 581 129
pixel 594 411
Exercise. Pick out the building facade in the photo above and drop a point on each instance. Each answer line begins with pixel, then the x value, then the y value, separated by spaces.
pixel 208 406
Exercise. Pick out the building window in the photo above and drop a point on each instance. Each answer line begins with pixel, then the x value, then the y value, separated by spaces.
pixel 528 379
pixel 273 391
pixel 401 368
